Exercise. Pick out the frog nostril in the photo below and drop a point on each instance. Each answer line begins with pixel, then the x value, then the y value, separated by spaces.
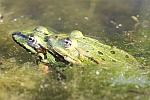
pixel 56 36
pixel 32 35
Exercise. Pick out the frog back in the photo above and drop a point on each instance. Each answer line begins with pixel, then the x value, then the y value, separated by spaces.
pixel 99 52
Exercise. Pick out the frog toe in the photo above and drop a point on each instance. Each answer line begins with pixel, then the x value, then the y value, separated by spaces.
pixel 44 68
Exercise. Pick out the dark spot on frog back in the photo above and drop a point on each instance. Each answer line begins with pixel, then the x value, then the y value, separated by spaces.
pixel 114 60
pixel 45 40
pixel 100 53
pixel 127 56
pixel 112 52
pixel 56 37
pixel 103 59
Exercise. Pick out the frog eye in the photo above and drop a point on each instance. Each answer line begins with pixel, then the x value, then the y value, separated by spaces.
pixel 41 30
pixel 67 43
pixel 31 38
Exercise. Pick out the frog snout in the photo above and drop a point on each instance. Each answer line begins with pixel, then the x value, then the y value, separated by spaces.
pixel 18 34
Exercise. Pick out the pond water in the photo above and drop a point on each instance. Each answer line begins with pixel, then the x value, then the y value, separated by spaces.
pixel 121 23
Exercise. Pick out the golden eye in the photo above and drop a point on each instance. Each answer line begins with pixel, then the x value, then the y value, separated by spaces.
pixel 41 30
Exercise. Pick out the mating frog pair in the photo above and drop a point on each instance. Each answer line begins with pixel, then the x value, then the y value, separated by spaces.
pixel 71 48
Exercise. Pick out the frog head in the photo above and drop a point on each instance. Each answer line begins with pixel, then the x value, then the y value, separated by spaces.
pixel 64 46
pixel 32 40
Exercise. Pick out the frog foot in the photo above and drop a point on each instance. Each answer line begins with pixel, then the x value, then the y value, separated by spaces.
pixel 44 68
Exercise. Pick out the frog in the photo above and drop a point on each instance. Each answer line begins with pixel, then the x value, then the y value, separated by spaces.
pixel 71 48
pixel 77 48
pixel 34 41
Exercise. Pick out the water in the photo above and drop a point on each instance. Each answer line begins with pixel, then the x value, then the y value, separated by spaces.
pixel 109 21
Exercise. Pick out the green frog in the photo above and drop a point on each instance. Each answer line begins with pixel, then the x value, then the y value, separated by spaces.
pixel 76 48
pixel 71 48
pixel 34 41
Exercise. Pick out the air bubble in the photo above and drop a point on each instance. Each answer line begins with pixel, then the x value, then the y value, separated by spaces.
pixel 97 72
pixel 59 18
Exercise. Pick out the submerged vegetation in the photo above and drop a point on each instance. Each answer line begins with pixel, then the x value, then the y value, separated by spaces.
pixel 20 78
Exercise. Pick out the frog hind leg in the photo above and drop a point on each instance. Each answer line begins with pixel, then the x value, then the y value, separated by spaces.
pixel 71 60
pixel 81 54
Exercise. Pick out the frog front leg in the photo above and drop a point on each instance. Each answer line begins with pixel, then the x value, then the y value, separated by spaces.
pixel 44 59
pixel 43 67
pixel 48 60
pixel 41 62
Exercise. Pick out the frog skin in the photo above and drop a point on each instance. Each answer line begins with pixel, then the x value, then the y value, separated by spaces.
pixel 73 48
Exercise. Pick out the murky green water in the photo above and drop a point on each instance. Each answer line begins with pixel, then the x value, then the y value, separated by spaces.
pixel 109 21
